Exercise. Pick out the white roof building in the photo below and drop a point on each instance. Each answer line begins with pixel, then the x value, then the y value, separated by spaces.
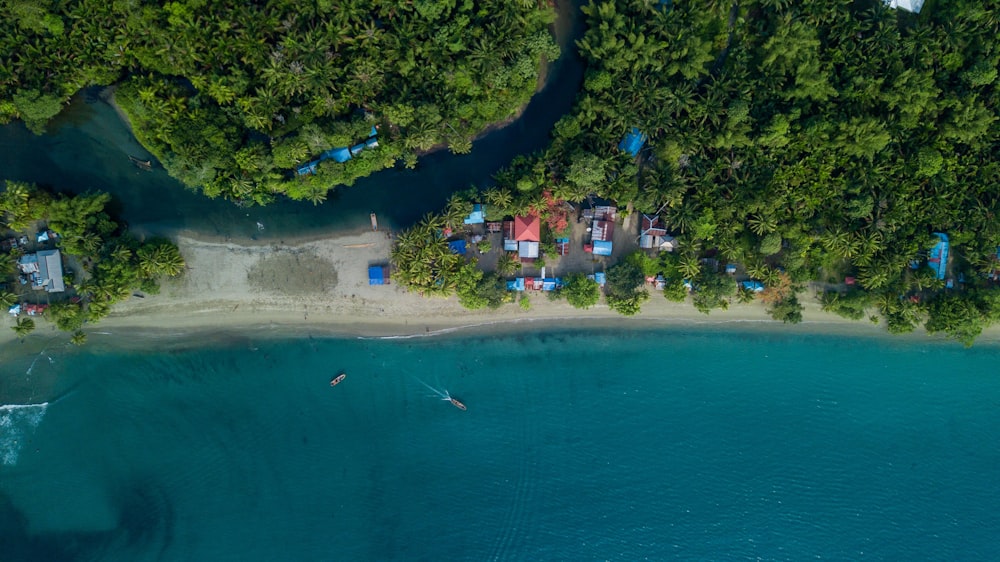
pixel 908 5
pixel 44 269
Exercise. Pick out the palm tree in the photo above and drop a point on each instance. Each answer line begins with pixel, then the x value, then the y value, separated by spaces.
pixel 78 338
pixel 507 264
pixel 24 326
pixel 171 262
pixel 7 299
pixel 455 211
pixel 317 196
pixel 160 259
pixel 498 197
pixel 689 266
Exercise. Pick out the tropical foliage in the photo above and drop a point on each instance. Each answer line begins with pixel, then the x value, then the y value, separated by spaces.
pixel 231 96
pixel 818 139
pixel 115 264
pixel 580 291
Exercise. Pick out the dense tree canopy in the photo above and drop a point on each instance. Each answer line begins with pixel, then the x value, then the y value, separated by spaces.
pixel 231 96
pixel 822 139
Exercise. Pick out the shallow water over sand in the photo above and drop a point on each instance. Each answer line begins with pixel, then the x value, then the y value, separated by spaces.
pixel 577 446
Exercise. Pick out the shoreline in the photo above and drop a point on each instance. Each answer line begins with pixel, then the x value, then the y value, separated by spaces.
pixel 319 288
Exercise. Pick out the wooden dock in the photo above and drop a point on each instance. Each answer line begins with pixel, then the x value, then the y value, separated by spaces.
pixel 374 222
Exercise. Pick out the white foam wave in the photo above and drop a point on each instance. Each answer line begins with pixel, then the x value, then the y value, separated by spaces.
pixel 18 423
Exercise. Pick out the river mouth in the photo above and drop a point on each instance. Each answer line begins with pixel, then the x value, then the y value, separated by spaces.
pixel 88 147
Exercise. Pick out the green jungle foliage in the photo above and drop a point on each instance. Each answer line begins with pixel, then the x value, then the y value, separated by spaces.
pixel 114 263
pixel 807 141
pixel 231 96
pixel 580 291
pixel 822 139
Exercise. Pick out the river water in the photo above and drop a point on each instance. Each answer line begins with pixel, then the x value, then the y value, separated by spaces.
pixel 86 148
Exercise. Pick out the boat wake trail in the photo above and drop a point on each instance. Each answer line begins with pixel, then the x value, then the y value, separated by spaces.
pixel 441 394
pixel 17 424
pixel 39 356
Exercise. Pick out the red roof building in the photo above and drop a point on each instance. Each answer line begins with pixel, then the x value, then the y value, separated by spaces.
pixel 527 229
pixel 652 226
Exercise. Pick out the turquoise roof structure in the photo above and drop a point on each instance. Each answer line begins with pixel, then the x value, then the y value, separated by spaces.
pixel 602 247
pixel 938 259
pixel 477 216
pixel 633 142
pixel 339 154
pixel 516 285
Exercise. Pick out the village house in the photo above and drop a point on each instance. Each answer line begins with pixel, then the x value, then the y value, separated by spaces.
pixel 602 229
pixel 653 235
pixel 477 216
pixel 523 235
pixel 43 270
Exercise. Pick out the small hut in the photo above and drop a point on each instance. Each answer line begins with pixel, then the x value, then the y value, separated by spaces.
pixel 378 275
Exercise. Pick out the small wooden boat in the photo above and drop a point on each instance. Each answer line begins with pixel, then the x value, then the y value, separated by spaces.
pixel 338 379
pixel 141 164
pixel 374 221
pixel 457 404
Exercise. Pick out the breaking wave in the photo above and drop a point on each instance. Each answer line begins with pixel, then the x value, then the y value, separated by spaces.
pixel 18 423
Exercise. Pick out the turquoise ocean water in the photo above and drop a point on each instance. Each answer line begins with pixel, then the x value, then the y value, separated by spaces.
pixel 604 445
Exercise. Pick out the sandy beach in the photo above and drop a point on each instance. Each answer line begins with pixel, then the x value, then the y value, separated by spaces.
pixel 320 288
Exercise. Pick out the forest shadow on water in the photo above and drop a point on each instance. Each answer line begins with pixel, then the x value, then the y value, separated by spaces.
pixel 145 529
pixel 88 147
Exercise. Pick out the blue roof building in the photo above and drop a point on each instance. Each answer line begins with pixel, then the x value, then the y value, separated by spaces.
pixel 754 286
pixel 633 142
pixel 340 154
pixel 308 168
pixel 516 285
pixel 602 247
pixel 477 216
pixel 938 259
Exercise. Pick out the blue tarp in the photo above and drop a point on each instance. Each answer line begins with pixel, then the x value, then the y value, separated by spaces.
pixel 457 247
pixel 730 268
pixel 376 275
pixel 516 285
pixel 602 247
pixel 551 283
pixel 599 277
pixel 938 259
pixel 755 286
pixel 477 216
pixel 633 142
pixel 340 154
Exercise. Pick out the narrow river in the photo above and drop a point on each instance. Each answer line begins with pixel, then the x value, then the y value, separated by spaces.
pixel 87 145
